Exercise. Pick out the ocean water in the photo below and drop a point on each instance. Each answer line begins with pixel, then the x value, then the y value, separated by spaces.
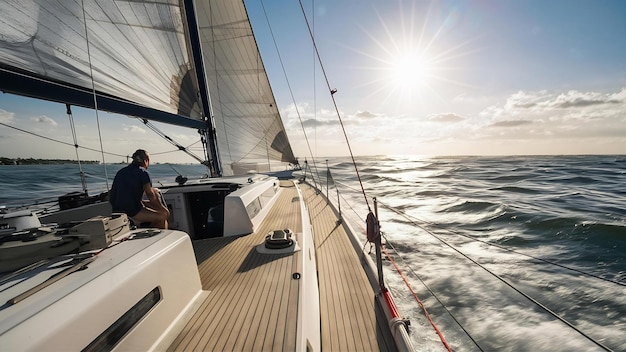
pixel 506 253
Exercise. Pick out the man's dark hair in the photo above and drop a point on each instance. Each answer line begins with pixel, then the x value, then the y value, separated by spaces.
pixel 139 156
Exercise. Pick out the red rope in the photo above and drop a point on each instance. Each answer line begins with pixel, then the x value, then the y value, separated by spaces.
pixel 390 303
pixel 432 323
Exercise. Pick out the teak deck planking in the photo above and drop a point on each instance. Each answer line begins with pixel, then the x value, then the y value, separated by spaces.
pixel 252 304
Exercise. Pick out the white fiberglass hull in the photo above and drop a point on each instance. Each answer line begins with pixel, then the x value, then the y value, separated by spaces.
pixel 153 278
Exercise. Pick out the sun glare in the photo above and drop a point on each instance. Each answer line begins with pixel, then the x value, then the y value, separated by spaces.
pixel 410 71
pixel 412 63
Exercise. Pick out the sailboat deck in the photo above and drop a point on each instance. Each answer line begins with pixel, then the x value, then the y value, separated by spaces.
pixel 252 305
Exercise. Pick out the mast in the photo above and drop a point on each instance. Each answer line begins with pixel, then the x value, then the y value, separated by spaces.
pixel 209 132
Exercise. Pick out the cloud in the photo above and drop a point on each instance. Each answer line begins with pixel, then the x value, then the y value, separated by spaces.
pixel 446 118
pixel 133 129
pixel 575 99
pixel 185 137
pixel 572 99
pixel 522 122
pixel 45 120
pixel 365 114
pixel 310 123
pixel 6 116
pixel 525 100
pixel 512 123
pixel 522 108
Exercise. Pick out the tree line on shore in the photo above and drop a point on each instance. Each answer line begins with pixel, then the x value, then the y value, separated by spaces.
pixel 33 161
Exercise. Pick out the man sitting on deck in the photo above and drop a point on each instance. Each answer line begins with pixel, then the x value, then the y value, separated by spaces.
pixel 129 186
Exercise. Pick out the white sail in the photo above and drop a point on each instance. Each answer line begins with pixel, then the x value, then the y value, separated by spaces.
pixel 129 51
pixel 249 129
pixel 137 58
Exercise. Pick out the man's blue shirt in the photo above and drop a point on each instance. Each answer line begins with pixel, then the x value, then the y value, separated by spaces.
pixel 127 190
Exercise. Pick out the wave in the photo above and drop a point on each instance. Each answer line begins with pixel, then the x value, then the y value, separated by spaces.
pixel 610 234
pixel 513 241
pixel 473 207
pixel 510 178
pixel 515 189
pixel 573 179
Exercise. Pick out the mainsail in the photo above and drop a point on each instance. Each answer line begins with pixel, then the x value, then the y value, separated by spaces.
pixel 135 58
pixel 133 55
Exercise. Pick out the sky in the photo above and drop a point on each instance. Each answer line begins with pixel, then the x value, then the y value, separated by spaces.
pixel 472 77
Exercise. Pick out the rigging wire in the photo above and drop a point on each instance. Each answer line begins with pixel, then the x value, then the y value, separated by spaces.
pixel 414 221
pixel 388 243
pixel 175 150
pixel 171 141
pixel 332 96
pixel 95 98
pixel 293 99
pixel 72 127
pixel 527 296
pixel 429 290
pixel 58 141
pixel 80 167
pixel 531 299
pixel 421 304
pixel 332 92
pixel 218 93
pixel 417 299
pixel 314 81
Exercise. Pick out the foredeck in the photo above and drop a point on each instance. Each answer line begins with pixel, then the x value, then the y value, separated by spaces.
pixel 252 305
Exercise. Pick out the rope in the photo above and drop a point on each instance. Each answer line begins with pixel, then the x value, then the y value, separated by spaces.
pixel 293 99
pixel 525 295
pixel 410 287
pixel 332 97
pixel 95 102
pixel 171 141
pixel 73 128
pixel 419 301
pixel 58 141
pixel 413 221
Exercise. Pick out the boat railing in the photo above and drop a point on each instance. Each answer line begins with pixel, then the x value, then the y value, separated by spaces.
pixel 398 325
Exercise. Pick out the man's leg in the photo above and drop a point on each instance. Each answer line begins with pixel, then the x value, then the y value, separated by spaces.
pixel 156 219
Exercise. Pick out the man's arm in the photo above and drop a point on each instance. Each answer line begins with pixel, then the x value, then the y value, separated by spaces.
pixel 154 200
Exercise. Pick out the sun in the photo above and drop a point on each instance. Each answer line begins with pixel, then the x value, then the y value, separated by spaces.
pixel 410 60
pixel 411 71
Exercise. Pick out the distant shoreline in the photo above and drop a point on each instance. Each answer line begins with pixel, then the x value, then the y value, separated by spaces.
pixel 32 161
